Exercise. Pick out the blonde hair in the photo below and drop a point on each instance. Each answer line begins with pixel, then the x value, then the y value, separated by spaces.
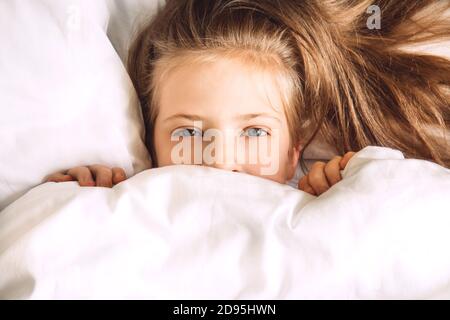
pixel 352 85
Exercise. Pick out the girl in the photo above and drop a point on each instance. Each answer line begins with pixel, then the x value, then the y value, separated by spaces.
pixel 291 69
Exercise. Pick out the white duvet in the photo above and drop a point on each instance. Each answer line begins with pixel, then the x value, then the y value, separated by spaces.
pixel 191 232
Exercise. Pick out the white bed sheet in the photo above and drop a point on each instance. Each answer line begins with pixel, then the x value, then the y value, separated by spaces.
pixel 188 232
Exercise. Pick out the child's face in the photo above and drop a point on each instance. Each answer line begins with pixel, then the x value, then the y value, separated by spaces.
pixel 243 106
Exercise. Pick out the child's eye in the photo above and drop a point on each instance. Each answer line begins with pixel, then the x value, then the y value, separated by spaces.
pixel 187 132
pixel 255 132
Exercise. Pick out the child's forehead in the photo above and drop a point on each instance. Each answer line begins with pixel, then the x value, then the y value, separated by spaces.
pixel 220 84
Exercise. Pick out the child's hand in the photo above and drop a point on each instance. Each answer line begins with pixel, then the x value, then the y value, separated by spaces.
pixel 90 176
pixel 324 175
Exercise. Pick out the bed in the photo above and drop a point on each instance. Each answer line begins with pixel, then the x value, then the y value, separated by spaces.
pixel 184 232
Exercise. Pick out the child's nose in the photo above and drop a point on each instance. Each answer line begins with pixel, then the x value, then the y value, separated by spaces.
pixel 229 167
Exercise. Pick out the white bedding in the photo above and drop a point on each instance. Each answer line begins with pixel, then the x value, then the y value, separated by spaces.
pixel 65 97
pixel 195 232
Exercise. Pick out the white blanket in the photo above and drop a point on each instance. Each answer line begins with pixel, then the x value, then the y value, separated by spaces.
pixel 191 232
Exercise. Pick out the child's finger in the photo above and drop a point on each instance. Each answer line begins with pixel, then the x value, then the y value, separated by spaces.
pixel 102 175
pixel 317 179
pixel 304 186
pixel 118 175
pixel 332 170
pixel 345 159
pixel 83 176
pixel 59 177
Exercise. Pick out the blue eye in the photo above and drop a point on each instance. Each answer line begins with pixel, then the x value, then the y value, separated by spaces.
pixel 255 132
pixel 187 132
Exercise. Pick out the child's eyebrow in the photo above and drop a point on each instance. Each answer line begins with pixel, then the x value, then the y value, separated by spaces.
pixel 242 117
pixel 250 116
pixel 192 117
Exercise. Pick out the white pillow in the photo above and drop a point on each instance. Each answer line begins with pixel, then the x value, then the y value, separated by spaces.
pixel 126 18
pixel 65 97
